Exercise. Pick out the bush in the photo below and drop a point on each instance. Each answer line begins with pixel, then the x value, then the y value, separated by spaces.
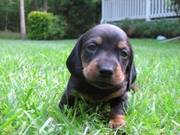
pixel 80 15
pixel 144 29
pixel 42 25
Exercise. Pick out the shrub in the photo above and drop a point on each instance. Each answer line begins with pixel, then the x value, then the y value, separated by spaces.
pixel 58 28
pixel 42 25
pixel 144 29
pixel 80 15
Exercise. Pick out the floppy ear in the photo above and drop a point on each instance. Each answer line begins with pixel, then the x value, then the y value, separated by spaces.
pixel 73 62
pixel 132 76
pixel 131 72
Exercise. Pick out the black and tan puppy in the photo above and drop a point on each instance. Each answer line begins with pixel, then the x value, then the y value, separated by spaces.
pixel 102 70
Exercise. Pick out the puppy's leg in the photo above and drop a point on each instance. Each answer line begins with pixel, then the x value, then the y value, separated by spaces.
pixel 68 97
pixel 117 114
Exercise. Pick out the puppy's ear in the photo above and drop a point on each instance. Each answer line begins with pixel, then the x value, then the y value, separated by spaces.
pixel 132 76
pixel 131 72
pixel 73 62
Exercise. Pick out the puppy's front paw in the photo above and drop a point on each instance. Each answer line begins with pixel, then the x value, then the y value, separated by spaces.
pixel 117 121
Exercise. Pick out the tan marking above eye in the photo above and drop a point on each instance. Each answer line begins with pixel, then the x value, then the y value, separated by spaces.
pixel 122 45
pixel 99 40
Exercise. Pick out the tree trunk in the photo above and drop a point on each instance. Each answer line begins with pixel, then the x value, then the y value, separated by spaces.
pixel 22 20
pixel 45 5
pixel 6 22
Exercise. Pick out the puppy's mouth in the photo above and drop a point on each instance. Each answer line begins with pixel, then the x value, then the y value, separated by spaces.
pixel 102 84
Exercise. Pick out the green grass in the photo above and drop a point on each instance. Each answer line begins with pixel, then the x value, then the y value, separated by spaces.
pixel 33 76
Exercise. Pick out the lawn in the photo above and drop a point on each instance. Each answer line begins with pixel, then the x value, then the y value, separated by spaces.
pixel 33 76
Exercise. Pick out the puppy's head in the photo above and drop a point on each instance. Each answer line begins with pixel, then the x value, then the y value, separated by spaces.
pixel 104 57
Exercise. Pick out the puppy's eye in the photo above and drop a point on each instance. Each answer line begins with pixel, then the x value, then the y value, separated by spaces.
pixel 91 47
pixel 124 54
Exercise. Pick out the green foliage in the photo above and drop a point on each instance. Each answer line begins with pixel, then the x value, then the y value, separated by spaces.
pixel 57 28
pixel 42 25
pixel 34 75
pixel 150 29
pixel 176 3
pixel 9 15
pixel 80 15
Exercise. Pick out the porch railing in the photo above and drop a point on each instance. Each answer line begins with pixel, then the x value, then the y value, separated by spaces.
pixel 115 10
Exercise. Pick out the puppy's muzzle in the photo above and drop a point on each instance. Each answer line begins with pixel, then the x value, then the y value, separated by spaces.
pixel 106 69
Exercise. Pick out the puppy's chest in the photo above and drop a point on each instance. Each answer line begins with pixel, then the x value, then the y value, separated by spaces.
pixel 95 96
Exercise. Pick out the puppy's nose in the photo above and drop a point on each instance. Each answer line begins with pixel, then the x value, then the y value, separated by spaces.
pixel 106 70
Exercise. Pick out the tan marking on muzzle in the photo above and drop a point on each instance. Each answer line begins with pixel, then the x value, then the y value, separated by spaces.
pixel 90 70
pixel 118 76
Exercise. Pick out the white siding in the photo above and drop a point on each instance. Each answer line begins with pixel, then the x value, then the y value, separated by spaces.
pixel 114 10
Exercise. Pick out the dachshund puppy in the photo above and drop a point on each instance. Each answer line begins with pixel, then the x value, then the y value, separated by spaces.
pixel 102 70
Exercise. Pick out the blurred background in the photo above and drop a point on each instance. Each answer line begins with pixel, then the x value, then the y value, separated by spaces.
pixel 62 19
pixel 73 16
